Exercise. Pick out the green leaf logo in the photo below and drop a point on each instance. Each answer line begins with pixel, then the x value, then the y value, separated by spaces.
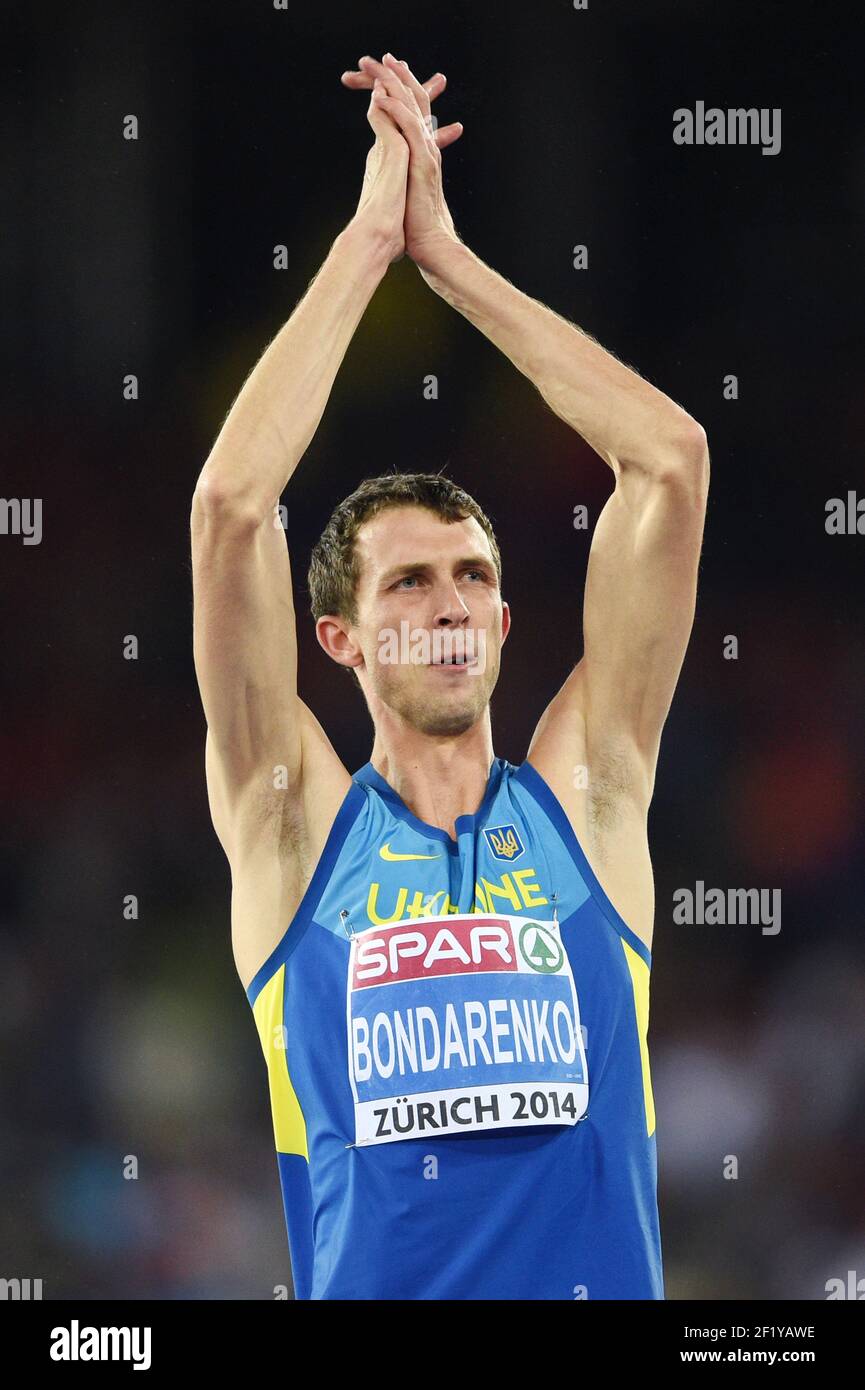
pixel 541 948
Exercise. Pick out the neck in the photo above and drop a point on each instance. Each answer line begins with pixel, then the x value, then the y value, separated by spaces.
pixel 438 778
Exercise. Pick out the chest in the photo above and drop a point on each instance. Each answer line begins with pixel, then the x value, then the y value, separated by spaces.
pixel 502 868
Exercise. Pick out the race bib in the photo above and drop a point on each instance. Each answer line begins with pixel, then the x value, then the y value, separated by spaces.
pixel 462 1023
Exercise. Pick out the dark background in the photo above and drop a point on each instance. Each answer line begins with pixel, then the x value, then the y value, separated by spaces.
pixel 155 257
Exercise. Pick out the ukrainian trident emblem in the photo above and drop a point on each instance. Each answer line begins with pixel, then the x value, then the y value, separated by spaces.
pixel 504 842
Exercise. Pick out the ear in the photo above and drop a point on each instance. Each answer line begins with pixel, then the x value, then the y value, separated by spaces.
pixel 506 621
pixel 334 635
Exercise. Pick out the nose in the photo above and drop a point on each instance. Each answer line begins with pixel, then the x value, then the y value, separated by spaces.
pixel 450 610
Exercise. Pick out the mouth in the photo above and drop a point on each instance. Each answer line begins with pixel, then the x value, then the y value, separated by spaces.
pixel 453 665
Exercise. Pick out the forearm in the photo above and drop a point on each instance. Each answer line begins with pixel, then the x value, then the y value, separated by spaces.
pixel 270 425
pixel 624 418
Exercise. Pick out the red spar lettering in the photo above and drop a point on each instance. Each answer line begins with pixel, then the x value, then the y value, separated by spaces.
pixel 434 948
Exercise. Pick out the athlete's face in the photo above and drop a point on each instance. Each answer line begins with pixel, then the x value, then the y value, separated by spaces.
pixel 431 621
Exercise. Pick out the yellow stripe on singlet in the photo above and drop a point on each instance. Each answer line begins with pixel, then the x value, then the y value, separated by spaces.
pixel 640 981
pixel 289 1126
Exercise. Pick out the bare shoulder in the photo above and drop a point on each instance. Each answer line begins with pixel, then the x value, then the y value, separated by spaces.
pixel 602 786
pixel 277 835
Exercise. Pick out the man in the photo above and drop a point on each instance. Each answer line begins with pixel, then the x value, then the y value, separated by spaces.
pixel 447 956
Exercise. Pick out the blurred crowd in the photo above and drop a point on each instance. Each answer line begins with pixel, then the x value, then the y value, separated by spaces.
pixel 136 1146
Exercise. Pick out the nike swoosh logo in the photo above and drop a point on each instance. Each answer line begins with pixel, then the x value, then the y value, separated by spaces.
pixel 387 853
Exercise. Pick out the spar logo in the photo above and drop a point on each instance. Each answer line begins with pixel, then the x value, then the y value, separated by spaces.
pixel 435 948
pixel 541 949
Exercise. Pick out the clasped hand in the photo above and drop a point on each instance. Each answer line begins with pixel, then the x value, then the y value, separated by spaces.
pixel 402 194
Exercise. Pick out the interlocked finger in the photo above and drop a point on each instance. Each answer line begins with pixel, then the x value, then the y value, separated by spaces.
pixel 401 84
pixel 397 85
pixel 421 95
pixel 362 80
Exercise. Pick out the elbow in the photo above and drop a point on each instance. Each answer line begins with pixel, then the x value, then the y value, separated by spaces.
pixel 686 458
pixel 693 445
pixel 214 502
pixel 696 444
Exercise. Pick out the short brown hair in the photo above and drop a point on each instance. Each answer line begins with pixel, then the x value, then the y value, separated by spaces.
pixel 333 568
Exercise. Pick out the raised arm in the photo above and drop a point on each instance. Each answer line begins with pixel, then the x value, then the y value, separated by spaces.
pixel 244 637
pixel 642 574
pixel 641 581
